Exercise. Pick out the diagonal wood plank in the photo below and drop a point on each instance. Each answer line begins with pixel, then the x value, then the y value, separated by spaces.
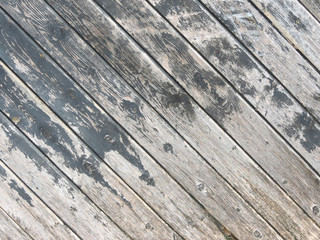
pixel 105 137
pixel 203 140
pixel 313 6
pixel 295 23
pixel 263 91
pixel 301 130
pixel 162 141
pixel 63 197
pixel 277 198
pixel 95 179
pixel 246 126
pixel 269 47
pixel 22 205
pixel 9 230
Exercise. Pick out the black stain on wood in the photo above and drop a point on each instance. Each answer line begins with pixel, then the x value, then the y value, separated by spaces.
pixel 310 138
pixel 226 54
pixel 280 98
pixel 22 193
pixel 297 22
pixel 3 172
pixel 168 148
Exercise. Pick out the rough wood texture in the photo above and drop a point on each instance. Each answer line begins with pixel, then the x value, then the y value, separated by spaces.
pixel 28 210
pixel 241 121
pixel 9 230
pixel 107 139
pixel 61 195
pixel 313 6
pixel 296 24
pixel 253 186
pixel 94 178
pixel 265 93
pixel 155 135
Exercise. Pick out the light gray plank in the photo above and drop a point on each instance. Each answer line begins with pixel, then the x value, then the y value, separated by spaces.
pixel 140 120
pixel 268 97
pixel 296 24
pixel 181 111
pixel 9 230
pixel 105 137
pixel 28 210
pixel 313 6
pixel 246 126
pixel 222 147
pixel 93 177
pixel 52 187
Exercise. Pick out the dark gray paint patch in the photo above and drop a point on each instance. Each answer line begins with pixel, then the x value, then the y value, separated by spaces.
pixel 65 92
pixel 281 99
pixel 246 88
pixel 199 80
pixel 297 22
pixel 310 138
pixel 3 172
pixel 168 148
pixel 22 193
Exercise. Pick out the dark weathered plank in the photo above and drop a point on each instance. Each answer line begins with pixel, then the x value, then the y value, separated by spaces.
pixel 207 138
pixel 313 6
pixel 149 129
pixel 28 210
pixel 59 193
pixel 106 138
pixel 296 24
pixel 93 177
pixel 263 91
pixel 244 125
pixel 9 230
pixel 218 147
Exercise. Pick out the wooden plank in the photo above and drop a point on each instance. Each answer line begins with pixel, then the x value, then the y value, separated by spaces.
pixel 246 126
pixel 313 6
pixel 95 179
pixel 9 229
pixel 206 137
pixel 296 24
pixel 28 210
pixel 153 133
pixel 107 139
pixel 265 93
pixel 61 195
pixel 269 47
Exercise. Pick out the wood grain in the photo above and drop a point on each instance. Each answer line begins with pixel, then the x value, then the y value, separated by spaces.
pixel 313 6
pixel 296 24
pixel 265 93
pixel 139 119
pixel 106 138
pixel 94 178
pixel 220 151
pixel 61 195
pixel 245 125
pixel 28 210
pixel 9 230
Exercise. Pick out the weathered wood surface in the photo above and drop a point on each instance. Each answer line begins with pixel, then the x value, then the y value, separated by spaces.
pixel 77 161
pixel 253 186
pixel 155 135
pixel 246 126
pixel 313 6
pixel 202 137
pixel 263 91
pixel 296 24
pixel 61 195
pixel 9 230
pixel 26 209
pixel 267 45
pixel 109 142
